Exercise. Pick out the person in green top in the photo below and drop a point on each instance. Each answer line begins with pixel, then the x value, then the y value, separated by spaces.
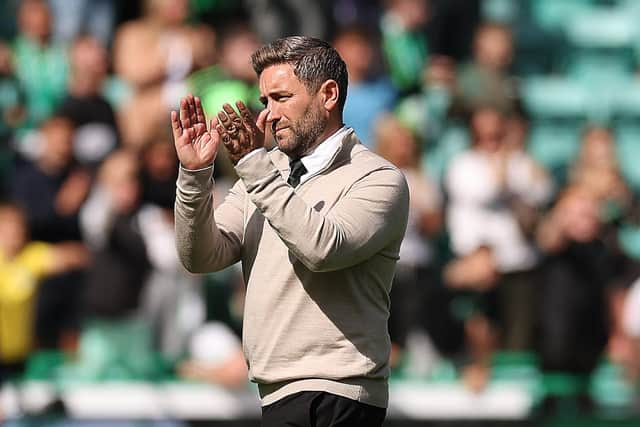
pixel 41 65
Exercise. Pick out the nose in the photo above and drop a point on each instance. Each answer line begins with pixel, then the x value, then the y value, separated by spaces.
pixel 274 113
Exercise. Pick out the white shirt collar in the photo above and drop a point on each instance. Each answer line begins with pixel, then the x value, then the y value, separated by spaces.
pixel 323 154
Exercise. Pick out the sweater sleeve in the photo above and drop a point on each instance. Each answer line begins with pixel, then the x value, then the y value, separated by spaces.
pixel 206 241
pixel 372 214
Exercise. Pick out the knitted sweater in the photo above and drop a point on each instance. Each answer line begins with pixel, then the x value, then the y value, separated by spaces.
pixel 318 261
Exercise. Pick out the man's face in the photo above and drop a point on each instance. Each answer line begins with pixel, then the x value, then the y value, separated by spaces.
pixel 296 117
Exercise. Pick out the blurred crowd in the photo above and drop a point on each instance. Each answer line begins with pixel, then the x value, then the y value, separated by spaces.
pixel 515 130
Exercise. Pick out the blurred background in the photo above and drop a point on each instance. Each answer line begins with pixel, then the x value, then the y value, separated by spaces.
pixel 516 122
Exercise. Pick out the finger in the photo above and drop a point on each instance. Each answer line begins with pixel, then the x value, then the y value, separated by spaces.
pixel 247 116
pixel 184 114
pixel 232 114
pixel 226 139
pixel 261 122
pixel 226 123
pixel 175 125
pixel 193 116
pixel 199 111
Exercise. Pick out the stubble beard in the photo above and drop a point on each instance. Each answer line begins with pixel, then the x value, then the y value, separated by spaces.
pixel 305 133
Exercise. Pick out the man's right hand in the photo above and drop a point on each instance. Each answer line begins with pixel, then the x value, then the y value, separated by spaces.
pixel 196 146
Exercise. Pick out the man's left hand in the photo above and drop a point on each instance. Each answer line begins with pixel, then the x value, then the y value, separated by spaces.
pixel 240 134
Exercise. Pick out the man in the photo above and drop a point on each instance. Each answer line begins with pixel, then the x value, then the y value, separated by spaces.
pixel 317 223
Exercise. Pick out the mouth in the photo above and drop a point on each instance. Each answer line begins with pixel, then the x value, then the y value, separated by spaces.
pixel 275 131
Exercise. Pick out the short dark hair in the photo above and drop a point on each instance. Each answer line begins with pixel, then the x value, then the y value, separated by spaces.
pixel 314 62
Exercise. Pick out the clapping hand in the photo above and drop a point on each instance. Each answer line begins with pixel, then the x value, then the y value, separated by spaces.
pixel 197 146
pixel 240 134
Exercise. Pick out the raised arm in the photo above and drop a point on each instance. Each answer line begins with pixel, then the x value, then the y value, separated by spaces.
pixel 371 216
pixel 204 242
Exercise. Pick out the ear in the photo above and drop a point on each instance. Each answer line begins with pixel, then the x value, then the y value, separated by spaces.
pixel 329 94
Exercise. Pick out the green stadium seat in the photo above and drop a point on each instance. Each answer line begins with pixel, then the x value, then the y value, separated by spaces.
pixel 601 45
pixel 608 387
pixel 550 15
pixel 559 108
pixel 626 125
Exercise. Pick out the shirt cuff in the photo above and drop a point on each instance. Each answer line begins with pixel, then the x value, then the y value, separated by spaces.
pixel 249 155
pixel 194 181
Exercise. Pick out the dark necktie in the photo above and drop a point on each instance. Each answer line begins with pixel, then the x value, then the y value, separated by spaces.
pixel 297 170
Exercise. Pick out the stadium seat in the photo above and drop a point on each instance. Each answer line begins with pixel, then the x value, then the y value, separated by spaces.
pixel 608 387
pixel 559 108
pixel 626 125
pixel 601 44
pixel 551 14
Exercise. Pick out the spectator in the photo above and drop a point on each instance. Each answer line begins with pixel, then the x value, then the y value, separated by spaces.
pixel 172 300
pixel 414 273
pixel 52 188
pixel 94 17
pixel 404 42
pixel 488 186
pixel 485 81
pixel 597 168
pixel 231 78
pixel 12 113
pixel 154 55
pixel 40 63
pixel 23 263
pixel 371 93
pixel 274 19
pixel 427 112
pixel 575 274
pixel 110 225
pixel 96 129
pixel 232 75
pixel 51 191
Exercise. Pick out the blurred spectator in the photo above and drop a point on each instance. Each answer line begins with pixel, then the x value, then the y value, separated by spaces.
pixel 482 184
pixel 73 17
pixel 40 63
pixel 96 129
pixel 51 191
pixel 414 273
pixel 370 92
pixel 12 112
pixel 232 77
pixel 404 42
pixel 172 300
pixel 597 169
pixel 154 55
pixel 23 263
pixel 426 112
pixel 273 19
pixel 489 186
pixel 52 188
pixel 485 81
pixel 110 226
pixel 577 269
pixel 357 12
pixel 159 173
pixel 452 25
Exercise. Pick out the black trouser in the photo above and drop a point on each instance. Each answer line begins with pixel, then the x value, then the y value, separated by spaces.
pixel 320 409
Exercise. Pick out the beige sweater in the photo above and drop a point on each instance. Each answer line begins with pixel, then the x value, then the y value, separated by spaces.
pixel 318 263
